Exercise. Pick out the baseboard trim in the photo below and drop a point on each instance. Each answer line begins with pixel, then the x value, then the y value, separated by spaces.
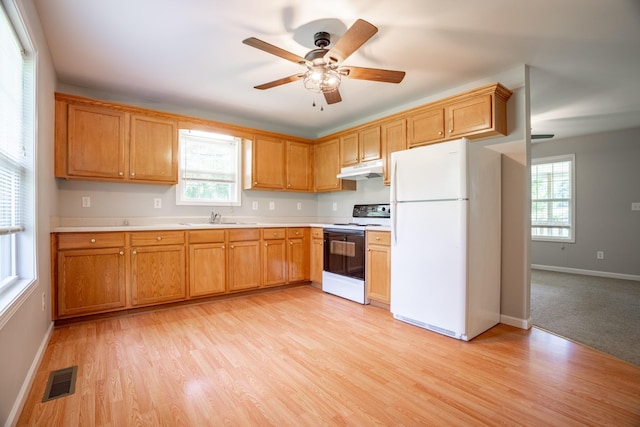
pixel 12 420
pixel 516 322
pixel 586 272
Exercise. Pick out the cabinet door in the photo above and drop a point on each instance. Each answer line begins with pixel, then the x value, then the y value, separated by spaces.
pixel 327 165
pixel 96 142
pixel 425 127
pixel 244 265
pixel 299 166
pixel 349 150
pixel 268 168
pixel 469 116
pixel 369 143
pixel 207 269
pixel 274 267
pixel 316 260
pixel 298 254
pixel 378 273
pixel 153 149
pixel 157 274
pixel 90 281
pixel 394 138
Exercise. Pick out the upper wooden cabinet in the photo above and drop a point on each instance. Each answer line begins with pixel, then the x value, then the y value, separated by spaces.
pixel 299 166
pixel 327 167
pixel 394 138
pixel 276 164
pixel 475 114
pixel 98 141
pixel 361 146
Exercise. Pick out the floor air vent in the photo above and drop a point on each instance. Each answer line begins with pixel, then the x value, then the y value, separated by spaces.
pixel 61 383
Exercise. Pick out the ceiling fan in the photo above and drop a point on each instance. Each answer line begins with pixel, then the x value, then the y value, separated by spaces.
pixel 323 66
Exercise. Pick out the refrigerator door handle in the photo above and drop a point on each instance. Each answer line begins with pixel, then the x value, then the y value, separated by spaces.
pixel 394 201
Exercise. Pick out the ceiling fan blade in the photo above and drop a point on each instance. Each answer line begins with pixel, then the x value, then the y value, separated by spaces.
pixel 356 36
pixel 375 74
pixel 274 50
pixel 279 82
pixel 332 97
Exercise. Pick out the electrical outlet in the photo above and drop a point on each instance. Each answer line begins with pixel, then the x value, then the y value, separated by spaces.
pixel 335 206
pixel 600 254
pixel 635 206
pixel 157 203
pixel 272 206
pixel 86 201
pixel 299 206
pixel 44 301
pixel 254 206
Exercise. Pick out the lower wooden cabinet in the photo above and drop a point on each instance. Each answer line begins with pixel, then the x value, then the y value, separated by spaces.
pixel 101 272
pixel 90 281
pixel 274 257
pixel 157 267
pixel 297 254
pixel 316 255
pixel 244 259
pixel 90 273
pixel 207 262
pixel 378 272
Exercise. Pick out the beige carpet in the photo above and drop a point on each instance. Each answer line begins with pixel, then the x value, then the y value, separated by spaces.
pixel 599 312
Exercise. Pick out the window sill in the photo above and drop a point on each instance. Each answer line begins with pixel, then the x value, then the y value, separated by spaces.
pixel 12 298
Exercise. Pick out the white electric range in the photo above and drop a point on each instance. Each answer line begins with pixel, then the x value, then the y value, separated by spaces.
pixel 344 252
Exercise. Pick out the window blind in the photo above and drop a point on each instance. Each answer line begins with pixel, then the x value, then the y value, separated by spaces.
pixel 12 151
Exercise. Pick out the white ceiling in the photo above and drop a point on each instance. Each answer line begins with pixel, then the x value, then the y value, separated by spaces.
pixel 584 55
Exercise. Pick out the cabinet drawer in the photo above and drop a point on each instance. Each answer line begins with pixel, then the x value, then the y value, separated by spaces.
pixel 150 238
pixel 243 234
pixel 273 233
pixel 296 233
pixel 206 236
pixel 379 238
pixel 90 240
pixel 317 233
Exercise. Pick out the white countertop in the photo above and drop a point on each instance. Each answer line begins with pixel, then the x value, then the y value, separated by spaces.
pixel 194 226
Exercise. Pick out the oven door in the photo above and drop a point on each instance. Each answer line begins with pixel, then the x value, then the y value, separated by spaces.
pixel 344 252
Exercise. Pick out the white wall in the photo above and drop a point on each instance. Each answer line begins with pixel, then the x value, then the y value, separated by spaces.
pixel 607 182
pixel 27 330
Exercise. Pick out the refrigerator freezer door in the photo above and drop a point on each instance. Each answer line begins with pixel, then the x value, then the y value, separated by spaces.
pixel 432 172
pixel 429 280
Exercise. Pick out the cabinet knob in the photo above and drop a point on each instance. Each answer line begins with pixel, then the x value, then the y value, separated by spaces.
pixel 450 130
pixel 440 133
pixel 132 174
pixel 159 238
pixel 291 243
pixel 377 238
pixel 288 185
pixel 120 173
pixel 222 246
pixel 266 244
pixel 255 182
pixel 92 240
pixel 121 252
pixel 297 232
pixel 231 246
pixel 275 233
pixel 134 251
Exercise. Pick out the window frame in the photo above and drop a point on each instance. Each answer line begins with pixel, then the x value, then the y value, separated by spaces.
pixel 21 236
pixel 571 158
pixel 213 137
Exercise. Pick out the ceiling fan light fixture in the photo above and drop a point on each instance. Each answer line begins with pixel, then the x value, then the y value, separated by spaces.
pixel 321 79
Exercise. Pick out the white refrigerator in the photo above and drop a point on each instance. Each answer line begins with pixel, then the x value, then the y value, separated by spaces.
pixel 445 237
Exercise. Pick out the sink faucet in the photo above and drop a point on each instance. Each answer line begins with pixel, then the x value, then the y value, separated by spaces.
pixel 216 218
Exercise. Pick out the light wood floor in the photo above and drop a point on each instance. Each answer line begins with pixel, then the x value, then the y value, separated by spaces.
pixel 301 357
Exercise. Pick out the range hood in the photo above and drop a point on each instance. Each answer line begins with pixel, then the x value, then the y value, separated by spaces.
pixel 366 170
